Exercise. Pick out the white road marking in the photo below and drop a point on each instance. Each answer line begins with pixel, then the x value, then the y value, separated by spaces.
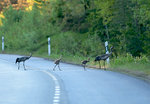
pixel 55 101
pixel 57 94
pixel 56 98
pixel 57 89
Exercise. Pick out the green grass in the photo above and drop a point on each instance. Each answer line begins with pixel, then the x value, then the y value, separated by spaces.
pixel 136 66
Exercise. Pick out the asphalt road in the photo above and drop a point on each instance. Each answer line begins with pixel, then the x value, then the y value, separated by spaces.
pixel 40 85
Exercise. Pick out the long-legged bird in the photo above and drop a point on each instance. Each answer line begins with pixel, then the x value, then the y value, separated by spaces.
pixel 22 59
pixel 84 62
pixel 57 62
pixel 103 57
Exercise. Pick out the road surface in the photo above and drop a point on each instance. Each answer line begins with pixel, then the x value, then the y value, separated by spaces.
pixel 40 85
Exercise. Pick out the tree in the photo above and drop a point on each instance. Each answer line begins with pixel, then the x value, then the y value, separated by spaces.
pixel 103 14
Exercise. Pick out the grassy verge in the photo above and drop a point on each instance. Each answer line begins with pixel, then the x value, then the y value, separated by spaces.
pixel 135 66
pixel 141 71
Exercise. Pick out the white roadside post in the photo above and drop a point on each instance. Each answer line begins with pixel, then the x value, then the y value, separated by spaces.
pixel 49 47
pixel 106 46
pixel 2 43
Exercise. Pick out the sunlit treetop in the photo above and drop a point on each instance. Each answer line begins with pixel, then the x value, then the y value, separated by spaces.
pixel 1 16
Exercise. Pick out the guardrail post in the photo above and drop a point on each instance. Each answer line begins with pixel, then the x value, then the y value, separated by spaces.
pixel 2 43
pixel 49 47
pixel 106 46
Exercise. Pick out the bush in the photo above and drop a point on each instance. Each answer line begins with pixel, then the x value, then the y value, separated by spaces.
pixel 76 44
pixel 121 60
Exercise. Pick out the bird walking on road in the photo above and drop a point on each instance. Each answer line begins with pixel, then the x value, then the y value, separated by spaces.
pixel 103 57
pixel 57 62
pixel 84 62
pixel 23 59
pixel 106 56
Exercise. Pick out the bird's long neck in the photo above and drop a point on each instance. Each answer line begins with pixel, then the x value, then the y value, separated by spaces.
pixel 30 56
pixel 59 59
pixel 111 51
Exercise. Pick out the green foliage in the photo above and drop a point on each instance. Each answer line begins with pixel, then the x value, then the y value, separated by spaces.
pixel 80 27
pixel 26 32
pixel 127 24
pixel 132 65
pixel 76 44
pixel 121 60
pixel 104 10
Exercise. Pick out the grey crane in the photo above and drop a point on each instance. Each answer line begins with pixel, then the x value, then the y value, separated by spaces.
pixel 57 62
pixel 84 62
pixel 23 59
pixel 103 57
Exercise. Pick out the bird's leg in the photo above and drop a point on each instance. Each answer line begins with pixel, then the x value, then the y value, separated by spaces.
pixel 54 67
pixel 18 65
pixel 24 66
pixel 59 67
pixel 84 68
pixel 99 65
pixel 104 65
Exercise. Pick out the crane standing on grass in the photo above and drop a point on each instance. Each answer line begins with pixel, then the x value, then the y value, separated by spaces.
pixel 84 62
pixel 57 62
pixel 23 59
